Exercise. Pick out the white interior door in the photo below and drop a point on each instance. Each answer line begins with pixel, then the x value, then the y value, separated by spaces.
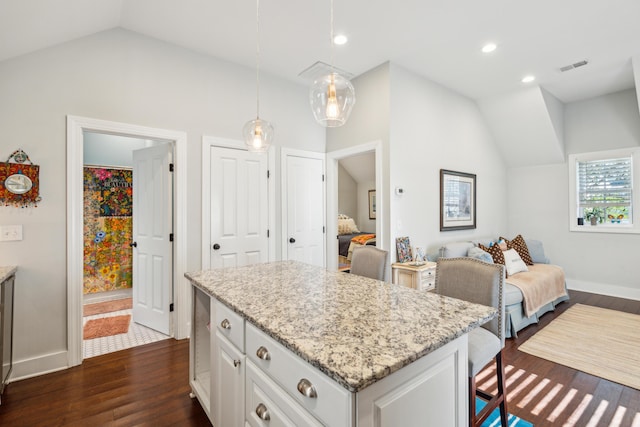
pixel 239 208
pixel 305 223
pixel 152 228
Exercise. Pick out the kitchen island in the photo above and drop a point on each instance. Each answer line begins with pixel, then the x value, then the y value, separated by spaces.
pixel 296 343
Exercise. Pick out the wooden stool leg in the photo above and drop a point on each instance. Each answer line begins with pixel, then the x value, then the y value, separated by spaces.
pixel 501 389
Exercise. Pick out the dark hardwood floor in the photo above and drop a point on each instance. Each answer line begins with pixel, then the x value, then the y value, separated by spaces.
pixel 548 394
pixel 142 386
pixel 148 385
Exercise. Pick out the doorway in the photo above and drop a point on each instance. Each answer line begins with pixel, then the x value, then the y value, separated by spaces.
pixel 119 185
pixel 76 129
pixel 364 209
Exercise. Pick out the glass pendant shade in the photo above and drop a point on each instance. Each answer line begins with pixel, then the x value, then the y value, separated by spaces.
pixel 332 98
pixel 258 135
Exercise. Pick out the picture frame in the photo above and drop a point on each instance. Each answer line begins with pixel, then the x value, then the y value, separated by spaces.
pixel 457 200
pixel 403 249
pixel 372 204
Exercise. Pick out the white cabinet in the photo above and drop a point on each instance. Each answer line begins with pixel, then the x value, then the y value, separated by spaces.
pixel 272 386
pixel 228 385
pixel 6 329
pixel 267 405
pixel 421 277
pixel 430 391
pixel 200 349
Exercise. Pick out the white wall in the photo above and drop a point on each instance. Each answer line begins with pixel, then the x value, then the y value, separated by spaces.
pixel 369 122
pixel 120 76
pixel 111 150
pixel 539 200
pixel 347 194
pixel 433 128
pixel 364 222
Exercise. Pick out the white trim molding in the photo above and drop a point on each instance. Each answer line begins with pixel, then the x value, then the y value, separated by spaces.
pixel 604 289
pixel 76 126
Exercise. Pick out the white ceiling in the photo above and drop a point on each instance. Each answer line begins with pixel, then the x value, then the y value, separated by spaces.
pixel 439 39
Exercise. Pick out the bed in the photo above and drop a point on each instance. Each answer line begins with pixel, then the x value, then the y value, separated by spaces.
pixel 344 241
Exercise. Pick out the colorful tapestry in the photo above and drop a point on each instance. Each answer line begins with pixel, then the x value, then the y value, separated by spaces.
pixel 108 261
pixel 31 197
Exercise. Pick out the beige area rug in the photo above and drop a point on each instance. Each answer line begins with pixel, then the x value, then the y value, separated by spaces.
pixel 106 326
pixel 107 306
pixel 598 341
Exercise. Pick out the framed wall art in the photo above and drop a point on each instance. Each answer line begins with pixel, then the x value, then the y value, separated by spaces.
pixel 457 200
pixel 372 204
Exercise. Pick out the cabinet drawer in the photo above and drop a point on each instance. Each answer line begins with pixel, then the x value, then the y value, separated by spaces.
pixel 230 324
pixel 264 397
pixel 332 402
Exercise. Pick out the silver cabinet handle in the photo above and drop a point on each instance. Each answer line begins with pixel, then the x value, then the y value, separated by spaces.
pixel 263 353
pixel 225 324
pixel 307 389
pixel 236 363
pixel 263 412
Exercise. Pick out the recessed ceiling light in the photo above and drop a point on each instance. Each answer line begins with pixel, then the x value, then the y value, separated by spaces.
pixel 528 79
pixel 340 39
pixel 489 47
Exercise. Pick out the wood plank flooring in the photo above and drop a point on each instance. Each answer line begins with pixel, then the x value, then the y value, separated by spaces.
pixel 141 386
pixel 548 394
pixel 148 385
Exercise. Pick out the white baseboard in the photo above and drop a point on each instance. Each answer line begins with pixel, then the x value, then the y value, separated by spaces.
pixel 604 289
pixel 27 368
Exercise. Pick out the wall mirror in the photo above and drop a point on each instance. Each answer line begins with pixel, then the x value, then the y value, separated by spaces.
pixel 18 183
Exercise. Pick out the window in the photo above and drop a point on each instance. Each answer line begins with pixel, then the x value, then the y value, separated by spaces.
pixel 602 191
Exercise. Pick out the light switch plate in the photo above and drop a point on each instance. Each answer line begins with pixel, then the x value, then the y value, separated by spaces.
pixel 10 233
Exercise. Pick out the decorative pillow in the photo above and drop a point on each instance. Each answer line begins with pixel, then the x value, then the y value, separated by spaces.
pixel 478 253
pixel 520 246
pixel 347 226
pixel 455 249
pixel 513 262
pixel 495 253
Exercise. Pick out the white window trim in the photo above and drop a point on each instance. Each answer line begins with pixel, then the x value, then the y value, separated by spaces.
pixel 634 228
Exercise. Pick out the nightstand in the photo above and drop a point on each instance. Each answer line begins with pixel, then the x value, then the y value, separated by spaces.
pixel 421 277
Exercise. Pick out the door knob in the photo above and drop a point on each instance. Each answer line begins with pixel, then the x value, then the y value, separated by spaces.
pixel 216 246
pixel 134 244
pixel 292 240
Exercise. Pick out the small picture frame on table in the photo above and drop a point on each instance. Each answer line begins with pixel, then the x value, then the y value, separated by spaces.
pixel 403 249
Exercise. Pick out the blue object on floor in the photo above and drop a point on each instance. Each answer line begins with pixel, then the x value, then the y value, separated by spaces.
pixel 494 418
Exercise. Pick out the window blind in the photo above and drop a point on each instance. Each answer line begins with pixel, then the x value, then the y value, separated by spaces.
pixel 603 183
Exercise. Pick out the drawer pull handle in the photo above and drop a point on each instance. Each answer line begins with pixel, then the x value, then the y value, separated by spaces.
pixel 307 389
pixel 236 363
pixel 225 324
pixel 263 353
pixel 263 412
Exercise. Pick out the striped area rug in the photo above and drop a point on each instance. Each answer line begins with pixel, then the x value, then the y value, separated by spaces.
pixel 598 341
pixel 494 418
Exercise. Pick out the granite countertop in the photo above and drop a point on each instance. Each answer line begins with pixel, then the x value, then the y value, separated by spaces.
pixel 354 329
pixel 6 272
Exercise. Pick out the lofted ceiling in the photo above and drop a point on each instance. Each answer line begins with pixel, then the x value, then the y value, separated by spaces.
pixel 439 39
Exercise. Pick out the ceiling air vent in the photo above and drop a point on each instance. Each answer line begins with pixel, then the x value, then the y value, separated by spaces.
pixel 574 65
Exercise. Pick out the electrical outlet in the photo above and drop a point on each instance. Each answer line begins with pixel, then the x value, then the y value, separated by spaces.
pixel 9 233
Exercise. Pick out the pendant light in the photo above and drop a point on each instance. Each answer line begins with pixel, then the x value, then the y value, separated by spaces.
pixel 258 133
pixel 332 96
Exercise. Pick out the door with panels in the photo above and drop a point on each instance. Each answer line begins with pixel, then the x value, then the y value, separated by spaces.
pixel 238 206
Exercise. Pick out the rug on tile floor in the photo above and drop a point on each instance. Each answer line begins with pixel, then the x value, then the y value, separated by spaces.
pixel 494 418
pixel 106 326
pixel 107 306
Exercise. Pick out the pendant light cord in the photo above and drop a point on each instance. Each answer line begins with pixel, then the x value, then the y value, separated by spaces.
pixel 331 35
pixel 258 59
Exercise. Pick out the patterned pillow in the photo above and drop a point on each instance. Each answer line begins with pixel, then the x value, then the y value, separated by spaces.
pixel 520 246
pixel 495 252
